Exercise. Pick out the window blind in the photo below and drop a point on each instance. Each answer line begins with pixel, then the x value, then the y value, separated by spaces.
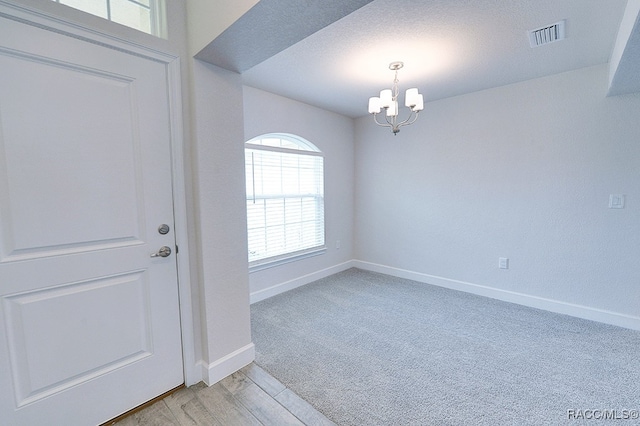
pixel 285 201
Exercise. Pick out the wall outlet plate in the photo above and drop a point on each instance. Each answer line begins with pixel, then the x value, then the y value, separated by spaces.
pixel 616 201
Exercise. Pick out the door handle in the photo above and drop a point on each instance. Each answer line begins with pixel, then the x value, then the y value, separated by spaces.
pixel 163 252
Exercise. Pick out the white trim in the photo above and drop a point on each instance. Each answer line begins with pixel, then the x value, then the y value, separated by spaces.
pixel 272 262
pixel 159 19
pixel 228 364
pixel 580 311
pixel 191 371
pixel 259 295
pixel 172 62
pixel 44 20
pixel 310 147
pixel 281 150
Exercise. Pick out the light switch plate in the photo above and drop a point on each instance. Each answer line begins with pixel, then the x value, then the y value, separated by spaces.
pixel 503 263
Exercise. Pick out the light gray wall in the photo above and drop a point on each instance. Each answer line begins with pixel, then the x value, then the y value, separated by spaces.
pixel 221 220
pixel 209 18
pixel 333 134
pixel 522 171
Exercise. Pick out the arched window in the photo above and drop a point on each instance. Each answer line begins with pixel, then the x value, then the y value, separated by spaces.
pixel 285 198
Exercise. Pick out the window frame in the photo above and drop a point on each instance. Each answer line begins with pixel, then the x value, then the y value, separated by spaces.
pixel 305 148
pixel 157 16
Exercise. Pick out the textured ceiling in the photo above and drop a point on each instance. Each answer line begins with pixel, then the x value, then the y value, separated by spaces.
pixel 270 27
pixel 449 47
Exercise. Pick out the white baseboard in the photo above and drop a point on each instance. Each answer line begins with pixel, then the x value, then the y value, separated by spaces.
pixel 221 368
pixel 580 311
pixel 259 295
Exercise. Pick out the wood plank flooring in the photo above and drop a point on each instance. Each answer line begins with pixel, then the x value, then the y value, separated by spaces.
pixel 248 397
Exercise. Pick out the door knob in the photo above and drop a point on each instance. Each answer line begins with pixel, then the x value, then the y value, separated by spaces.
pixel 163 252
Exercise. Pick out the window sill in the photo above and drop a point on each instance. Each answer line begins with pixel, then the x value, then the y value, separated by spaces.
pixel 271 263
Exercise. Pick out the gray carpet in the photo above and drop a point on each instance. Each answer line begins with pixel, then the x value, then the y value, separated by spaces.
pixel 370 349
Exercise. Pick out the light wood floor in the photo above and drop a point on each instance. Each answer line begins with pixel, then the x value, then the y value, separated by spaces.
pixel 249 397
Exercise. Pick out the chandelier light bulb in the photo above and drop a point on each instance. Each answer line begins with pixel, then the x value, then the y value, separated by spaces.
pixel 411 97
pixel 386 98
pixel 374 105
pixel 419 104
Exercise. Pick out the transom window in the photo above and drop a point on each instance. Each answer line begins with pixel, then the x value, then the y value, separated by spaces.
pixel 143 15
pixel 285 198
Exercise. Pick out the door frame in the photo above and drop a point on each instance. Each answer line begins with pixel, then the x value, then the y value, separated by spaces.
pixel 40 19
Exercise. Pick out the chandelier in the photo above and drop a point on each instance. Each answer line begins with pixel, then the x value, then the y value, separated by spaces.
pixel 389 101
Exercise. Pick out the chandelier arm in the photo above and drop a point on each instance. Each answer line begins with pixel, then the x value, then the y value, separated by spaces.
pixel 408 120
pixel 387 124
pixel 393 122
pixel 414 118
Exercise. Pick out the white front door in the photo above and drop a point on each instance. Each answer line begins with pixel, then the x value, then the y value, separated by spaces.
pixel 89 320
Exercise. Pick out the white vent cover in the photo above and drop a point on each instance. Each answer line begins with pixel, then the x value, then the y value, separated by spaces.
pixel 546 35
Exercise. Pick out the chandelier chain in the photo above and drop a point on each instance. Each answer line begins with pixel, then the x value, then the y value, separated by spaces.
pixel 395 89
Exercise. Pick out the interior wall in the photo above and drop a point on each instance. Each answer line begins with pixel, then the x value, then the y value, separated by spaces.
pixel 221 220
pixel 333 134
pixel 209 18
pixel 522 171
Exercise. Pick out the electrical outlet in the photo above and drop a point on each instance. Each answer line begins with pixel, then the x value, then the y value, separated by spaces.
pixel 503 263
pixel 616 201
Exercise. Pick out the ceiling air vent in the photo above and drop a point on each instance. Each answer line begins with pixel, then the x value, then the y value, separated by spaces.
pixel 546 35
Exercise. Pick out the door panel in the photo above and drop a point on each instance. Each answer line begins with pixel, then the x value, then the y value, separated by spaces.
pixel 89 321
pixel 82 118
pixel 84 311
